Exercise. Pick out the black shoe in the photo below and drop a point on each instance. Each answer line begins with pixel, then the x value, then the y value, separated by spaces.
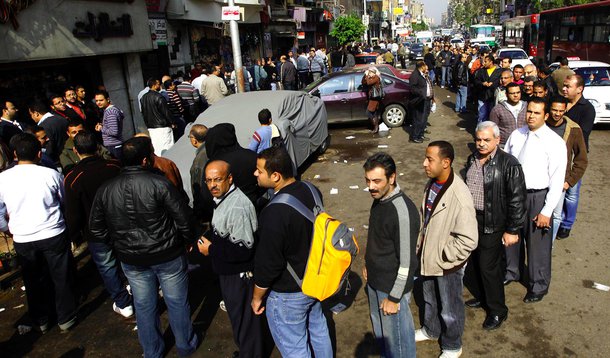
pixel 493 322
pixel 507 282
pixel 416 140
pixel 563 233
pixel 532 297
pixel 473 303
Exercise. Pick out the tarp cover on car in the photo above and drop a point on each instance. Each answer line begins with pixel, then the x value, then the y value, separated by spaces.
pixel 300 117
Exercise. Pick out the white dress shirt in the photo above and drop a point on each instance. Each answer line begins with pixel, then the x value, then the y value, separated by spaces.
pixel 32 197
pixel 544 158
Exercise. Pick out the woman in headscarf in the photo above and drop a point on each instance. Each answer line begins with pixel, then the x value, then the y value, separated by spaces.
pixel 371 82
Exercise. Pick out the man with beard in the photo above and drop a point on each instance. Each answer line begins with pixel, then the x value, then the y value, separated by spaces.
pixel 60 109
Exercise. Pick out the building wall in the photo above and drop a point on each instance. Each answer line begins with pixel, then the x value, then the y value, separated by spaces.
pixel 46 28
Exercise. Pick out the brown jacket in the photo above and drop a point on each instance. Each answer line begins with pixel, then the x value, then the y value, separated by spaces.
pixel 577 152
pixel 452 231
pixel 370 82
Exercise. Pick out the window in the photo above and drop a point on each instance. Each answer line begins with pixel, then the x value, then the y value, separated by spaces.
pixel 601 33
pixel 515 55
pixel 339 84
pixel 594 76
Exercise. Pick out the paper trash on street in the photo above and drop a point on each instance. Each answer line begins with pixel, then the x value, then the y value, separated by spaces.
pixel 334 191
pixel 601 287
pixel 366 189
pixel 382 146
pixel 317 176
pixel 350 137
pixel 353 186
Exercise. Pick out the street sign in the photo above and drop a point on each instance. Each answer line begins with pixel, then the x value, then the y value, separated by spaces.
pixel 230 13
pixel 365 20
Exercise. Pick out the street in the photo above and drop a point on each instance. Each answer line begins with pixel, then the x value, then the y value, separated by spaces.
pixel 570 321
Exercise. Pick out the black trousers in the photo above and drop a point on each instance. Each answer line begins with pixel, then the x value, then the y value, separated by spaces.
pixel 247 327
pixel 46 271
pixel 421 112
pixel 484 276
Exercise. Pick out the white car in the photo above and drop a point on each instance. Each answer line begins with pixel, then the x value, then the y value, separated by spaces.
pixel 518 56
pixel 597 85
pixel 457 42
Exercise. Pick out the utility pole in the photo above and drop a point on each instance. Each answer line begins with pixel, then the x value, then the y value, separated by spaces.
pixel 366 37
pixel 239 70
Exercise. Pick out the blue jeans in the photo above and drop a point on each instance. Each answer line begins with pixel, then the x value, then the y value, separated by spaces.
pixel 431 75
pixel 445 76
pixel 557 215
pixel 448 289
pixel 395 333
pixel 298 325
pixel 145 281
pixel 484 110
pixel 570 206
pixel 460 99
pixel 104 259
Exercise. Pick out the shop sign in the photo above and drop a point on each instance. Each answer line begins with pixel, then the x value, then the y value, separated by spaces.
pixel 230 13
pixel 158 31
pixel 301 35
pixel 100 27
pixel 398 11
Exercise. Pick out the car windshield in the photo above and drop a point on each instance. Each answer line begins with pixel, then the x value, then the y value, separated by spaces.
pixel 366 59
pixel 595 76
pixel 416 47
pixel 513 54
pixel 313 85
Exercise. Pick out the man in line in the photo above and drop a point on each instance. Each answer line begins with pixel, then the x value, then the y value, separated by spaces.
pixel 510 114
pixel 60 109
pixel 54 126
pixel 530 70
pixel 296 321
pixel 8 123
pixel 264 136
pixel 390 260
pixel 230 244
pixel 495 180
pixel 577 160
pixel 559 75
pixel 506 77
pixel 528 88
pixel 213 88
pixel 190 95
pixel 68 157
pixel 146 220
pixel 112 124
pixel 462 83
pixel 158 118
pixel 316 65
pixel 543 156
pixel 201 197
pixel 31 197
pixel 288 74
pixel 82 183
pixel 422 95
pixel 303 68
pixel 448 236
pixel 582 113
pixel 506 62
pixel 486 80
pixel 92 112
pixel 73 104
pixel 518 74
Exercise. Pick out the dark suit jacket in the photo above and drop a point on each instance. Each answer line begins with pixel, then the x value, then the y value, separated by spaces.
pixel 7 131
pixel 56 128
pixel 418 88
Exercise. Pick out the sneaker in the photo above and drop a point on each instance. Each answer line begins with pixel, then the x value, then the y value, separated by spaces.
pixel 451 354
pixel 65 327
pixel 222 306
pixel 125 312
pixel 420 335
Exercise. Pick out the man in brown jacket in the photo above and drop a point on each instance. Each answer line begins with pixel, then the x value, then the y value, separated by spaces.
pixel 449 234
pixel 577 153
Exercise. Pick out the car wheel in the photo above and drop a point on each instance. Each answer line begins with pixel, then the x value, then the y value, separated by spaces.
pixel 394 115
pixel 324 146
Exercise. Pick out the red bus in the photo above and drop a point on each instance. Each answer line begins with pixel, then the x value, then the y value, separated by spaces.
pixel 581 30
pixel 522 32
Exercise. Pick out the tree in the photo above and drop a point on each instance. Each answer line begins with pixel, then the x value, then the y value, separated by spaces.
pixel 347 28
pixel 420 26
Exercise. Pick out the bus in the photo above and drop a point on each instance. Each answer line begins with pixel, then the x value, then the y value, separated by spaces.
pixel 483 34
pixel 522 32
pixel 581 30
pixel 425 37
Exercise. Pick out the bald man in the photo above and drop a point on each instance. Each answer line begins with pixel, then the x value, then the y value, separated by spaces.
pixel 230 245
pixel 530 70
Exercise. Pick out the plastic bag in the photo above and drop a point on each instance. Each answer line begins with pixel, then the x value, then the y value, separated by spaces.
pixel 433 108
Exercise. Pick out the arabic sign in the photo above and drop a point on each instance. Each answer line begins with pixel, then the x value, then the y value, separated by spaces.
pixel 100 27
pixel 158 31
pixel 230 13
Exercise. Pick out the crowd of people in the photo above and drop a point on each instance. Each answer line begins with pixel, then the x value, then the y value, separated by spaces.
pixel 83 174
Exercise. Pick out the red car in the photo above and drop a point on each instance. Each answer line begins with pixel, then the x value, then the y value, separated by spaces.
pixel 390 70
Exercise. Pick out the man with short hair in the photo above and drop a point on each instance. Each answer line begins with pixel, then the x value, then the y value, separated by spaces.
pixel 72 102
pixel 158 118
pixel 31 201
pixel 559 75
pixel 495 180
pixel 54 126
pixel 264 136
pixel 462 77
pixel 9 126
pixel 486 81
pixel 316 65
pixel 213 88
pixel 541 90
pixel 577 163
pixel 112 124
pixel 190 95
pixel 288 74
pixel 543 157
pixel 506 62
pixel 302 68
pixel 59 107
pixel 506 77
pixel 447 237
pixel 390 260
pixel 41 135
pixel 146 220
pixel 82 183
pixel 230 243
pixel 337 59
pixel 528 88
pixel 510 114
pixel 92 112
pixel 296 321
pixel 530 70
pixel 201 209
pixel 422 94
pixel 518 74
pixel 445 57
pixel 68 157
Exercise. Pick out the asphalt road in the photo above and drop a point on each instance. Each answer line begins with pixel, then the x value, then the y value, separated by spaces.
pixel 570 321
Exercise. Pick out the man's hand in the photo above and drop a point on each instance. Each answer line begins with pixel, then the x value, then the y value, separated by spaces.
pixel 203 245
pixel 542 222
pixel 509 239
pixel 388 307
pixel 566 186
pixel 364 273
pixel 98 127
pixel 257 306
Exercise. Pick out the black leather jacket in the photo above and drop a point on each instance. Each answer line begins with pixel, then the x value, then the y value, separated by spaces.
pixel 155 110
pixel 505 194
pixel 142 216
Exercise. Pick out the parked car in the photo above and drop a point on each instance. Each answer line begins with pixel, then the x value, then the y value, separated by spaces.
pixel 366 58
pixel 597 85
pixel 390 70
pixel 345 99
pixel 300 118
pixel 457 42
pixel 416 51
pixel 518 56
